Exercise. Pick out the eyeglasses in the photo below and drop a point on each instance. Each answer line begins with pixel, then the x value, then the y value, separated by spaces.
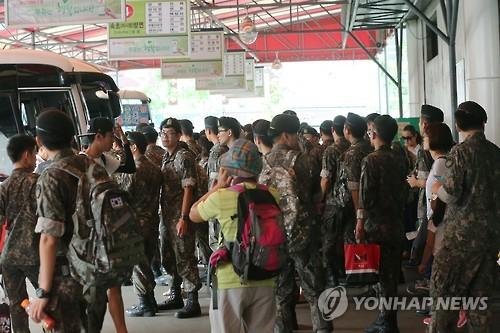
pixel 169 133
pixel 407 138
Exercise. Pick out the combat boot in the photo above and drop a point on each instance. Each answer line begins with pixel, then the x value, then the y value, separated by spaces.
pixel 376 326
pixel 152 301
pixel 143 309
pixel 174 301
pixel 192 308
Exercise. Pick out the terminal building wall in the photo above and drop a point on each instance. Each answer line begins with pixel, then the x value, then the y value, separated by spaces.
pixel 478 62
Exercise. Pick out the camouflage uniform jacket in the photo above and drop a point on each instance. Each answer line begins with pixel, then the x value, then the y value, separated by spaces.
pixel 214 163
pixel 332 159
pixel 56 198
pixel 195 149
pixel 18 206
pixel 298 231
pixel 472 191
pixel 143 187
pixel 352 162
pixel 382 194
pixel 325 144
pixel 179 171
pixel 155 154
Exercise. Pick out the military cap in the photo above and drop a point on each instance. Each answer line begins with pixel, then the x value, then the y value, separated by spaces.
pixel 138 139
pixel 386 127
pixel 473 109
pixel 371 117
pixel 310 130
pixel 261 127
pixel 56 124
pixel 186 124
pixel 339 121
pixel 283 123
pixel 100 125
pixel 431 113
pixel 290 113
pixel 171 123
pixel 211 122
pixel 326 126
pixel 356 121
pixel 243 159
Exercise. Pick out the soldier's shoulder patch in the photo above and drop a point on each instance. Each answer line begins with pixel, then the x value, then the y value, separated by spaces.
pixel 116 202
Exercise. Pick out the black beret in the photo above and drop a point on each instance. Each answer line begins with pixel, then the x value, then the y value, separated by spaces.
pixel 386 126
pixel 326 126
pixel 211 122
pixel 137 138
pixel 474 110
pixel 356 121
pixel 171 123
pixel 55 123
pixel 229 123
pixel 431 113
pixel 339 121
pixel 371 117
pixel 283 123
pixel 261 127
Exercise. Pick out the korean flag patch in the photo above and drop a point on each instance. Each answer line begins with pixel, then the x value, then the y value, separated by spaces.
pixel 116 202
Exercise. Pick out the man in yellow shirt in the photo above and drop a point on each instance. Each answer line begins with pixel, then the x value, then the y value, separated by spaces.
pixel 248 307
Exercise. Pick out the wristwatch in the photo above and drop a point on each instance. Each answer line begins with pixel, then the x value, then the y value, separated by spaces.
pixel 42 293
pixel 185 217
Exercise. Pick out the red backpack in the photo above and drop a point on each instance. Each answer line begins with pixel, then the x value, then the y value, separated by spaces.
pixel 258 252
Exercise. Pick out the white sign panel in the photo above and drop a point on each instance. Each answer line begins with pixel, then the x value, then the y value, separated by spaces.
pixel 228 82
pixel 191 69
pixel 207 45
pixel 234 63
pixel 30 13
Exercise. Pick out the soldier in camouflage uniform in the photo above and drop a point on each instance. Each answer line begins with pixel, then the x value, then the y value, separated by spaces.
pixel 466 264
pixel 154 153
pixel 20 259
pixel 333 242
pixel 144 189
pixel 261 137
pixel 297 207
pixel 380 213
pixel 428 114
pixel 177 195
pixel 187 137
pixel 325 132
pixel 212 130
pixel 59 295
pixel 354 131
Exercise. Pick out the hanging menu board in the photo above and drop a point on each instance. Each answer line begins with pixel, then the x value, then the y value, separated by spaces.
pixel 229 83
pixel 259 81
pixel 258 84
pixel 152 30
pixel 207 49
pixel 27 14
pixel 234 63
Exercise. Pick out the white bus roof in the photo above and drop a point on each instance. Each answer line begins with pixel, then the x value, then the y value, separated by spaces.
pixel 133 94
pixel 25 56
pixel 82 66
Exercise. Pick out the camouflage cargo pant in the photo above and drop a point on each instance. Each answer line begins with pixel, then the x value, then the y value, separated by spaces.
pixel 202 241
pixel 142 275
pixel 178 255
pixel 463 272
pixel 332 246
pixel 307 265
pixel 65 305
pixel 14 278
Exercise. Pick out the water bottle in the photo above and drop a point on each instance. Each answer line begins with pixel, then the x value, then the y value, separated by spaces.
pixel 48 322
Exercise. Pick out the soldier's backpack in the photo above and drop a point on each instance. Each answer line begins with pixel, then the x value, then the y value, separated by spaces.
pixel 258 252
pixel 106 242
pixel 282 177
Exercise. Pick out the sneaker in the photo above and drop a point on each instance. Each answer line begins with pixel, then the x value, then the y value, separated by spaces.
pixel 422 285
pixel 412 290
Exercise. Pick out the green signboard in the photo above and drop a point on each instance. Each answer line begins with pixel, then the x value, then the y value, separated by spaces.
pixel 152 30
pixel 228 82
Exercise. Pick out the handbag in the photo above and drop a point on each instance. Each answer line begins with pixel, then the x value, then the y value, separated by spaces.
pixel 362 264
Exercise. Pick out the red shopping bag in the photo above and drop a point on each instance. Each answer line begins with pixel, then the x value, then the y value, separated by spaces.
pixel 362 264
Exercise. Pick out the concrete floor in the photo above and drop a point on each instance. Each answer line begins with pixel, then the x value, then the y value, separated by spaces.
pixel 351 322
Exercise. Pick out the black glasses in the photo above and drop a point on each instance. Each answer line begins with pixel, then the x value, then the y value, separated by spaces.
pixel 407 138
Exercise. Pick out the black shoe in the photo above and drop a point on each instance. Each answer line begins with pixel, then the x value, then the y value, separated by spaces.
pixel 192 308
pixel 143 309
pixel 376 326
pixel 173 302
pixel 152 301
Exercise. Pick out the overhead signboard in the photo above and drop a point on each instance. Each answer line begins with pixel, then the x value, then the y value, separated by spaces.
pixel 255 87
pixel 226 83
pixel 205 61
pixel 30 13
pixel 234 63
pixel 152 30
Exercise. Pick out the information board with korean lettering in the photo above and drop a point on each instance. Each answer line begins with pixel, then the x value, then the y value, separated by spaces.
pixel 234 63
pixel 30 13
pixel 153 30
pixel 228 82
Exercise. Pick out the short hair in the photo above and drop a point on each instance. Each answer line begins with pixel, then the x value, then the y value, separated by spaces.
pixel 186 127
pixel 138 139
pixel 357 132
pixel 470 116
pixel 386 127
pixel 414 132
pixel 54 129
pixel 371 117
pixel 18 144
pixel 440 137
